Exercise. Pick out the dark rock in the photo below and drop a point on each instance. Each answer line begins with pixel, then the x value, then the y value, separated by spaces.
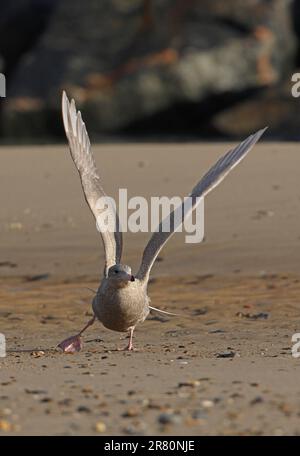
pixel 258 316
pixel 257 400
pixel 83 409
pixel 169 418
pixel 274 106
pixel 158 318
pixel 8 264
pixel 21 24
pixel 35 391
pixel 132 62
pixel 226 354
pixel 200 311
pixel 37 277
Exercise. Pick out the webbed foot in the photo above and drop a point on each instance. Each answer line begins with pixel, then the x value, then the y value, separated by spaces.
pixel 71 344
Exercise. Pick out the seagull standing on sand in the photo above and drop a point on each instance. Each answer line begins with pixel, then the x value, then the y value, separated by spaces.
pixel 121 301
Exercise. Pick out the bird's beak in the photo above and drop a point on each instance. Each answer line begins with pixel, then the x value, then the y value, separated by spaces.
pixel 128 277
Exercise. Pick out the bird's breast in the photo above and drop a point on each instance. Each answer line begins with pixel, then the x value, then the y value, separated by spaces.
pixel 121 308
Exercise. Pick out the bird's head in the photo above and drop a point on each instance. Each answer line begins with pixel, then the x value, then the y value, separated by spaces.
pixel 120 274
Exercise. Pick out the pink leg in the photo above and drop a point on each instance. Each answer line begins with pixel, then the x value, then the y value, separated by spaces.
pixel 130 343
pixel 89 323
pixel 74 343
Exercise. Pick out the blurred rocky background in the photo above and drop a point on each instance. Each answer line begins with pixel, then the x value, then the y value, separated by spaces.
pixel 146 69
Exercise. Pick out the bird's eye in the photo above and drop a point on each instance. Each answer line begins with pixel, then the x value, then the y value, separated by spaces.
pixel 116 272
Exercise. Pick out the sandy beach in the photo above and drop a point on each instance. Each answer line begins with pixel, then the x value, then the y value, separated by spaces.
pixel 225 368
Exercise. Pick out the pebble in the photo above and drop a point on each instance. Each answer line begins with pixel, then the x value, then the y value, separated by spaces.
pixel 190 383
pixel 16 226
pixel 100 427
pixel 5 411
pixel 87 389
pixel 35 391
pixel 65 402
pixel 258 316
pixel 285 408
pixel 207 403
pixel 135 428
pixel 46 399
pixel 169 418
pixel 257 400
pixel 83 409
pixel 5 426
pixel 37 277
pixel 155 405
pixel 37 354
pixel 199 415
pixel 226 354
pixel 131 412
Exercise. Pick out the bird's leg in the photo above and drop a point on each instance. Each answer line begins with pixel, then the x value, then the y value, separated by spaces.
pixel 130 343
pixel 89 323
pixel 74 343
pixel 129 346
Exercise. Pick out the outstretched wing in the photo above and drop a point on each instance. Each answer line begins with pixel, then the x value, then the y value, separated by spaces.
pixel 209 181
pixel 80 148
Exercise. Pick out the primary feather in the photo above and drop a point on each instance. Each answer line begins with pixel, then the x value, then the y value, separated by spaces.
pixel 80 148
pixel 209 181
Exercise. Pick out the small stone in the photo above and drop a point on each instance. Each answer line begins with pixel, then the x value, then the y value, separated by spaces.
pixel 189 383
pixel 83 409
pixel 100 427
pixel 37 354
pixel 207 403
pixel 257 400
pixel 35 391
pixel 15 226
pixel 249 316
pixel 131 412
pixel 87 389
pixel 135 428
pixel 199 415
pixel 226 354
pixel 5 412
pixel 5 426
pixel 65 402
pixel 285 408
pixel 46 399
pixel 131 392
pixel 169 418
pixel 155 405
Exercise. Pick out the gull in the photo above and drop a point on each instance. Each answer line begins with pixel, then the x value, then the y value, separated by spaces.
pixel 121 301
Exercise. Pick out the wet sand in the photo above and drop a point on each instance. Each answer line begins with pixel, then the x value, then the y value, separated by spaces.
pixel 226 368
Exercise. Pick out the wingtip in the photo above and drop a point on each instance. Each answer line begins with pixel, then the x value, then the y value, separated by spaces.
pixel 73 121
pixel 64 107
pixel 64 98
pixel 73 104
pixel 258 134
pixel 262 130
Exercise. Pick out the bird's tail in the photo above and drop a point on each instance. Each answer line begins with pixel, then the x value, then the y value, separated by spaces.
pixel 164 312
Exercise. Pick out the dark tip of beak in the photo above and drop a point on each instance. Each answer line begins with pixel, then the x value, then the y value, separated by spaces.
pixel 132 278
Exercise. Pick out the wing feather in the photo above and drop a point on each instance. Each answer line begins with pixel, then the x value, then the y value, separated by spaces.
pixel 80 148
pixel 209 181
